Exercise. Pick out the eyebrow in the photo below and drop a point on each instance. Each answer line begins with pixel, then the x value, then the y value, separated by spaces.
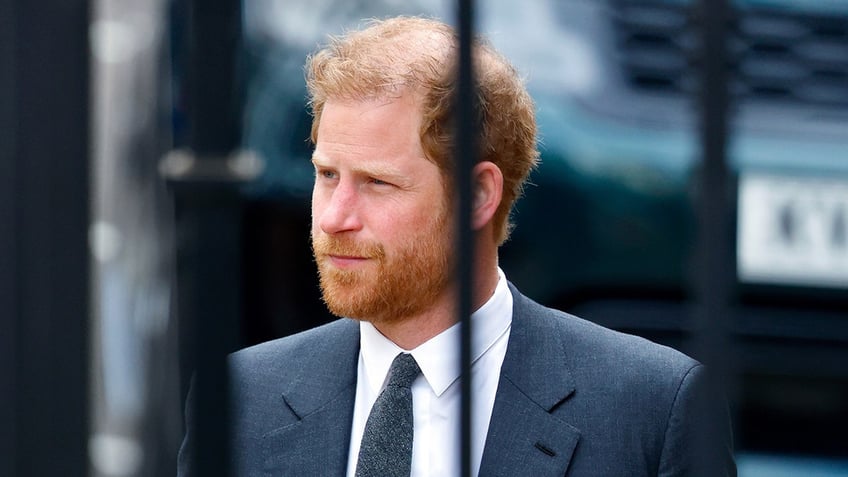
pixel 368 169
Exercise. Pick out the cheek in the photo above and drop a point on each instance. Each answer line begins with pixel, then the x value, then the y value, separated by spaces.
pixel 315 209
pixel 314 218
pixel 318 206
pixel 421 224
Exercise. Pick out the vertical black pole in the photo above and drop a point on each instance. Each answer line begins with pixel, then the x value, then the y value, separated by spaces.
pixel 8 242
pixel 215 107
pixel 466 151
pixel 713 276
pixel 205 180
pixel 44 220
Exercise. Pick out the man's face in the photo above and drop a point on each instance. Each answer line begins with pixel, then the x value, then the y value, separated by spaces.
pixel 381 230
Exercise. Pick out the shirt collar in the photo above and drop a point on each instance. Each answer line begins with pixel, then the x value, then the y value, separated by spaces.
pixel 438 357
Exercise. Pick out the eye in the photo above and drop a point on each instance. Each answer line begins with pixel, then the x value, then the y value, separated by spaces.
pixel 325 173
pixel 379 182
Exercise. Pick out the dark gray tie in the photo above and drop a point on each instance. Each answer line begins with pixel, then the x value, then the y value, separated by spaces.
pixel 386 448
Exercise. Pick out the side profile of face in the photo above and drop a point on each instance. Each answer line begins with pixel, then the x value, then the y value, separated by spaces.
pixel 381 231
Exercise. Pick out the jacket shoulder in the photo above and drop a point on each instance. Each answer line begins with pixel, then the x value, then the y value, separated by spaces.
pixel 637 404
pixel 590 350
pixel 285 358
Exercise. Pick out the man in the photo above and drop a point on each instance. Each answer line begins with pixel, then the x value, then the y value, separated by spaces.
pixel 554 395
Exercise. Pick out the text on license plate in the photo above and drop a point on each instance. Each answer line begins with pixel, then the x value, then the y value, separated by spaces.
pixel 793 230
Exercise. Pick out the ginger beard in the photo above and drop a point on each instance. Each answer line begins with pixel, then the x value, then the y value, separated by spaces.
pixel 399 283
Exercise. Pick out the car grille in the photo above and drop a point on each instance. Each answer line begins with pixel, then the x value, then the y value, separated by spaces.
pixel 774 56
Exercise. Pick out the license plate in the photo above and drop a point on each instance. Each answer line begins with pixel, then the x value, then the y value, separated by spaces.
pixel 793 230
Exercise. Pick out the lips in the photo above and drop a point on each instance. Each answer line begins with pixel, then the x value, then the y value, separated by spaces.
pixel 346 261
pixel 344 252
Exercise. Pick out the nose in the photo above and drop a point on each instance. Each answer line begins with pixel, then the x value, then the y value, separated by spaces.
pixel 337 210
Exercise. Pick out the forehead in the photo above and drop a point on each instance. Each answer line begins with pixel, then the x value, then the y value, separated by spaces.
pixel 374 128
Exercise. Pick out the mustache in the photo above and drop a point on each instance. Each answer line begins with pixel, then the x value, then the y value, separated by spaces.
pixel 324 245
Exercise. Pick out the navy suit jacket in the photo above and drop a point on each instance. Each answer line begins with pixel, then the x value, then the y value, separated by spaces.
pixel 573 399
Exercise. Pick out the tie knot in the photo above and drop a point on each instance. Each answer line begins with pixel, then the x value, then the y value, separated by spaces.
pixel 404 370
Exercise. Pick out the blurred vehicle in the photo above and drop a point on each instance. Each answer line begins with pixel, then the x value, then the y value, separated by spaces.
pixel 606 229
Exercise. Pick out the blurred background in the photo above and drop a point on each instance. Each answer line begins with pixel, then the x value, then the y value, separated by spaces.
pixel 156 182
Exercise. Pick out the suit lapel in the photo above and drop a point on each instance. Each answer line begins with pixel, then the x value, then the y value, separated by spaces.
pixel 321 398
pixel 524 437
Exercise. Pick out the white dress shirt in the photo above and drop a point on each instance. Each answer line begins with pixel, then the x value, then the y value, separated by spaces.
pixel 436 392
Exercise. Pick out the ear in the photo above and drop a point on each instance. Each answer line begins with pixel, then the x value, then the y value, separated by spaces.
pixel 488 190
